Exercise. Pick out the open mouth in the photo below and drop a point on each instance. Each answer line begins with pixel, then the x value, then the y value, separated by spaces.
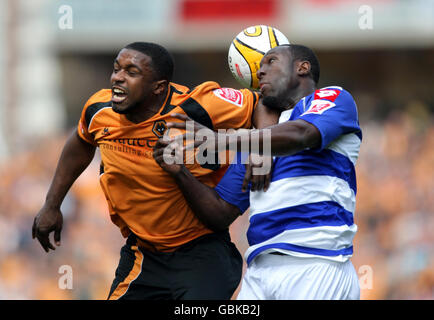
pixel 261 87
pixel 118 95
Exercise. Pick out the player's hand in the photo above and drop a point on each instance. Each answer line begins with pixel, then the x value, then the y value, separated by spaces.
pixel 46 221
pixel 165 154
pixel 258 173
pixel 204 137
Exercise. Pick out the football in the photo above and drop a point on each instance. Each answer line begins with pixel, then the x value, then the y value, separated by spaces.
pixel 247 50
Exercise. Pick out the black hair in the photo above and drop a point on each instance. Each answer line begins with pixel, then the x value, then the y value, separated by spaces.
pixel 304 53
pixel 162 62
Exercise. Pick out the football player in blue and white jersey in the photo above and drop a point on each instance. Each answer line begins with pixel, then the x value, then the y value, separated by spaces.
pixel 301 229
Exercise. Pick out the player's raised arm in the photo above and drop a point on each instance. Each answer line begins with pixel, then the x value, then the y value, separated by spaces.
pixel 75 158
pixel 284 139
pixel 262 117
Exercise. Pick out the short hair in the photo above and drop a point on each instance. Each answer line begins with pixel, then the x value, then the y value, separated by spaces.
pixel 162 62
pixel 304 53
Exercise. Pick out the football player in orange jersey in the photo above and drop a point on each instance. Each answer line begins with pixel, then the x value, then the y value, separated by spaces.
pixel 169 253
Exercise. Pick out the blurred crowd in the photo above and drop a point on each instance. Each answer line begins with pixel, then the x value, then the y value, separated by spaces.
pixel 395 204
pixel 393 249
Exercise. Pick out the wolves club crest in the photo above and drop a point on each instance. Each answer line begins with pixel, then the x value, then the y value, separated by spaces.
pixel 159 128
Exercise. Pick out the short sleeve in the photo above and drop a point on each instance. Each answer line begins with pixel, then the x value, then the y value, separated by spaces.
pixel 83 124
pixel 82 129
pixel 227 107
pixel 229 187
pixel 333 112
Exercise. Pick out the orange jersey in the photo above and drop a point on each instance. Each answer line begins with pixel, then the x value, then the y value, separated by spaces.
pixel 142 197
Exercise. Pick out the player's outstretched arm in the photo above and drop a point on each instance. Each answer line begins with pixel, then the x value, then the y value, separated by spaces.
pixel 282 139
pixel 286 138
pixel 207 205
pixel 76 156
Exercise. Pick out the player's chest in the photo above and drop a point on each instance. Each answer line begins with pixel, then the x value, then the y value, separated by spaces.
pixel 143 135
pixel 129 145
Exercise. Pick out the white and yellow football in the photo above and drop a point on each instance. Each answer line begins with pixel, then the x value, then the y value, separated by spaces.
pixel 247 50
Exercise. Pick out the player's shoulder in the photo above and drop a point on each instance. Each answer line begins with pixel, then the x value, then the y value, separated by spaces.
pixel 212 90
pixel 326 98
pixel 178 88
pixel 204 87
pixel 215 88
pixel 332 93
pixel 101 96
pixel 100 100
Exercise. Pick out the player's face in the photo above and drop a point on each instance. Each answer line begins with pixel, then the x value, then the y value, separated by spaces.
pixel 276 74
pixel 132 80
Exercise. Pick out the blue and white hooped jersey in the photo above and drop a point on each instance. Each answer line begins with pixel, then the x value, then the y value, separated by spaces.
pixel 308 209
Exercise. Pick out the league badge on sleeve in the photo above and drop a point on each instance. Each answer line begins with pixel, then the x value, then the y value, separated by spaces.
pixel 319 106
pixel 326 93
pixel 230 95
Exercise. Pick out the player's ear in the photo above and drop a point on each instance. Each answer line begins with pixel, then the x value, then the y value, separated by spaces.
pixel 303 68
pixel 159 86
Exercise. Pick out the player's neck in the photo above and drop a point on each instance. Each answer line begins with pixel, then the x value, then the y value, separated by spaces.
pixel 147 109
pixel 306 88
